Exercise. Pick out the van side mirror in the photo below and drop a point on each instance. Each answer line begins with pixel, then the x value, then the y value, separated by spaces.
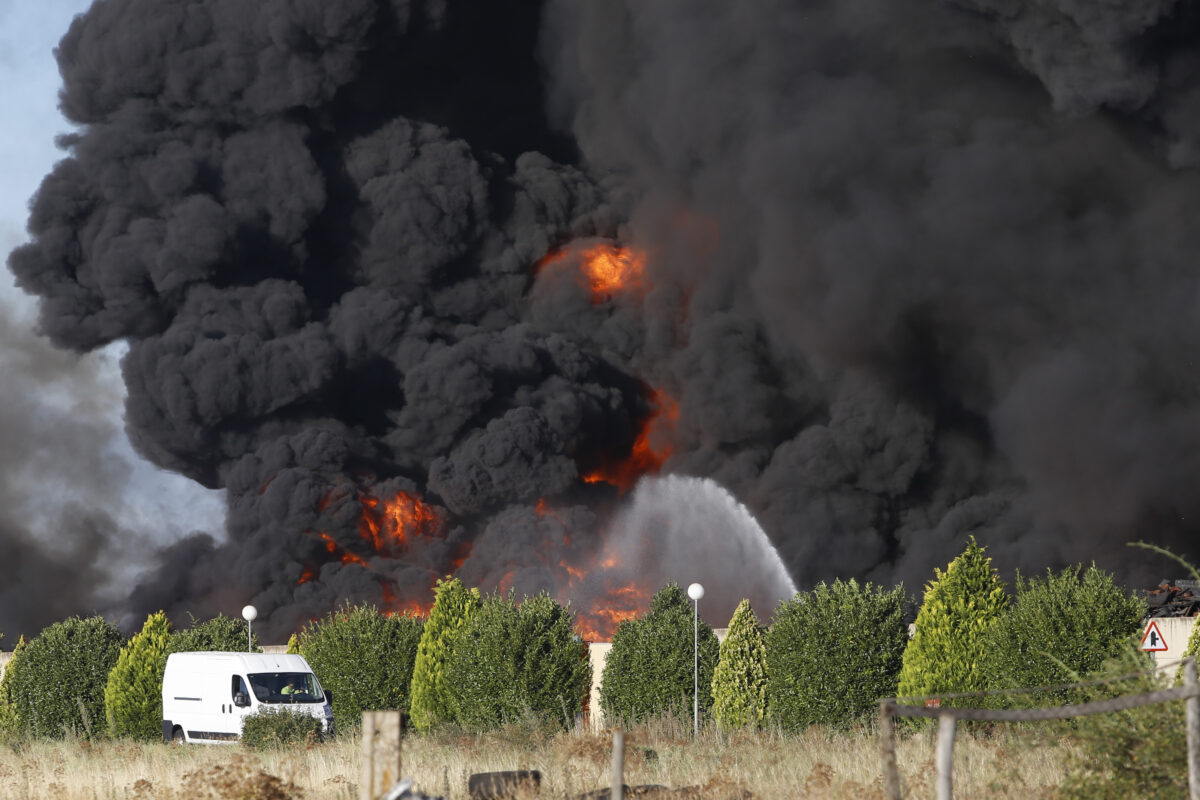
pixel 241 700
pixel 329 697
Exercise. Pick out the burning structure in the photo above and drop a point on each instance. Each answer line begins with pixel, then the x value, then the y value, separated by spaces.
pixel 427 287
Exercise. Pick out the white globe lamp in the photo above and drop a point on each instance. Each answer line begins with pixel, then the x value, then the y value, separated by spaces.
pixel 696 591
pixel 249 613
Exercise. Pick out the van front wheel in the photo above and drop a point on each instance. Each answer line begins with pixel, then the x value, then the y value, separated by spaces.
pixel 177 736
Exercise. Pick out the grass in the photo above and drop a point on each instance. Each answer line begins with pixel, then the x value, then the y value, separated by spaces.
pixel 816 764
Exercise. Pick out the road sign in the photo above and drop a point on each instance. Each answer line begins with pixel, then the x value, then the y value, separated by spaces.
pixel 1152 639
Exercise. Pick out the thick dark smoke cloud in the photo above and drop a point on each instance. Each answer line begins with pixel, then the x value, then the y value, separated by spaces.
pixel 914 271
pixel 956 279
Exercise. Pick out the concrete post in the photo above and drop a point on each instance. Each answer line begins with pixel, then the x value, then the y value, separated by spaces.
pixel 945 757
pixel 887 748
pixel 381 735
pixel 1193 728
pixel 618 766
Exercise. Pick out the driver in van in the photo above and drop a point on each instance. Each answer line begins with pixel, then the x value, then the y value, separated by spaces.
pixel 290 689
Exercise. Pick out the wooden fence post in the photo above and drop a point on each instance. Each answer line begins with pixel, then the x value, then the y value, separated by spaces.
pixel 380 753
pixel 1193 727
pixel 945 757
pixel 887 748
pixel 618 767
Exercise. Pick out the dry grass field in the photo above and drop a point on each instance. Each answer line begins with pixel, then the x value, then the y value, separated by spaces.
pixel 767 765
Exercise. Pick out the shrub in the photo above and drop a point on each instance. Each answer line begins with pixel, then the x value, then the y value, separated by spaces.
pixel 1139 753
pixel 947 647
pixel 9 723
pixel 276 727
pixel 430 699
pixel 739 684
pixel 833 652
pixel 57 686
pixel 221 633
pixel 512 662
pixel 649 668
pixel 133 693
pixel 364 657
pixel 1058 627
pixel 293 645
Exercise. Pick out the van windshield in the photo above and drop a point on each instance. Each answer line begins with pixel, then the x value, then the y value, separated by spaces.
pixel 286 687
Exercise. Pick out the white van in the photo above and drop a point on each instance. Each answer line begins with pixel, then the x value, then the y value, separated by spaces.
pixel 207 696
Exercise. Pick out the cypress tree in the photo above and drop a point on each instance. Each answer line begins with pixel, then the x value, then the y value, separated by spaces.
pixel 9 722
pixel 133 694
pixel 430 698
pixel 949 641
pixel 293 645
pixel 739 684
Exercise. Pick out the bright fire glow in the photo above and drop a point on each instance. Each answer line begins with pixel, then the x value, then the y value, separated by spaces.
pixel 598 623
pixel 388 527
pixel 606 268
pixel 644 458
pixel 394 522
pixel 610 269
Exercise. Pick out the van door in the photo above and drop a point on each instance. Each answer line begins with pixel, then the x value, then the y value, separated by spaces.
pixel 229 717
pixel 243 702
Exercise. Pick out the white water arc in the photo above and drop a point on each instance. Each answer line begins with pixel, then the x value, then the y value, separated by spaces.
pixel 692 529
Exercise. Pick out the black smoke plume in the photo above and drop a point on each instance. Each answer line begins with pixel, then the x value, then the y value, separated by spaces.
pixel 915 270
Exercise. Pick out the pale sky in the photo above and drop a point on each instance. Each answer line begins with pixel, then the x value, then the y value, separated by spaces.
pixel 156 505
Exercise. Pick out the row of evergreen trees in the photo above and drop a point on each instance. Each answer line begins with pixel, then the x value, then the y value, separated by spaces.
pixel 827 657
pixel 831 653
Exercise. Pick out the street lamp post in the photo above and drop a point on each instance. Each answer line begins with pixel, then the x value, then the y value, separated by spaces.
pixel 696 591
pixel 249 613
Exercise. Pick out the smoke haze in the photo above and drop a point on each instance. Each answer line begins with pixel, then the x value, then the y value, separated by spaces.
pixel 913 271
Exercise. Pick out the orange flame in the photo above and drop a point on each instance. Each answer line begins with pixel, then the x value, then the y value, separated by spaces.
pixel 606 267
pixel 610 268
pixel 643 457
pixel 400 519
pixel 392 607
pixel 618 604
pixel 387 527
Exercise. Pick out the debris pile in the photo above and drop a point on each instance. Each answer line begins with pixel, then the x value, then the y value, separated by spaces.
pixel 1173 599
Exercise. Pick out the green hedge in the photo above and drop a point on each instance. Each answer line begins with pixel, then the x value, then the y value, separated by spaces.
pixel 278 727
pixel 649 671
pixel 514 662
pixel 364 657
pixel 57 684
pixel 1058 628
pixel 1140 753
pixel 221 633
pixel 833 652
